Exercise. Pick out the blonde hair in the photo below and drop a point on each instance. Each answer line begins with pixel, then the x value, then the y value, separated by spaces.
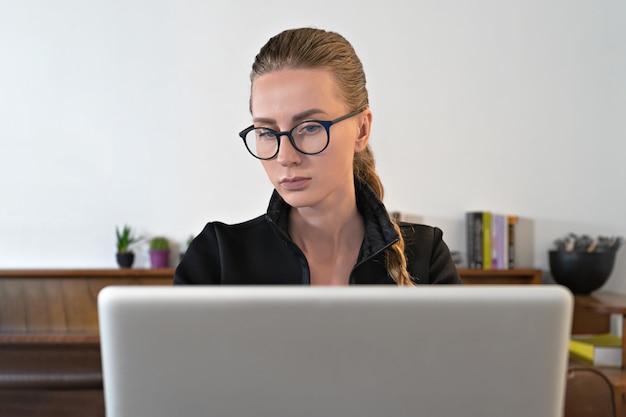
pixel 315 48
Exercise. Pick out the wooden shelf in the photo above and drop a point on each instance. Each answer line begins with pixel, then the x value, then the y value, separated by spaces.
pixel 123 273
pixel 500 276
pixel 62 301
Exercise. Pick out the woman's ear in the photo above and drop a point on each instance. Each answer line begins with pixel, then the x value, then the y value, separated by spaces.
pixel 364 128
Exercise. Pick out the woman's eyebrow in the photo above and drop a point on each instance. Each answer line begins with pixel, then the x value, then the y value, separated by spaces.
pixel 296 118
pixel 263 120
pixel 306 114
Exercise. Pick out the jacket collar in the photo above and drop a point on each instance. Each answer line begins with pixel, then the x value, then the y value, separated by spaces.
pixel 379 230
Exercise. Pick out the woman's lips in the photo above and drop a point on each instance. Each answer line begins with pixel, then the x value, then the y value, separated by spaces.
pixel 296 183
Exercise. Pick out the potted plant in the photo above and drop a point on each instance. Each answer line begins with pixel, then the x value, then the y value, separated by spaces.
pixel 582 263
pixel 125 238
pixel 159 252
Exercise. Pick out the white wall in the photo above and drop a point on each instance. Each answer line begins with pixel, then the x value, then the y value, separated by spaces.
pixel 116 112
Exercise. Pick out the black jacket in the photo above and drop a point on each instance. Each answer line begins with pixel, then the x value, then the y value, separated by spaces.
pixel 260 251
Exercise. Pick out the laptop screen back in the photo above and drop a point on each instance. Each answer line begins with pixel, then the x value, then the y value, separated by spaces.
pixel 436 351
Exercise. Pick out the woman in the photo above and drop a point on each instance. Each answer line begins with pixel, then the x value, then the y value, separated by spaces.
pixel 326 223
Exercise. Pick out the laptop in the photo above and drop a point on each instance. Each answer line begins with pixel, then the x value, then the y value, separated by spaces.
pixel 434 351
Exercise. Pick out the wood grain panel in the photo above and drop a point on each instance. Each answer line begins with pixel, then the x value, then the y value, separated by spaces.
pixel 500 276
pixel 62 301
pixel 12 307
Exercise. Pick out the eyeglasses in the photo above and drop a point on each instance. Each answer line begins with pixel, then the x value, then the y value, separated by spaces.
pixel 309 137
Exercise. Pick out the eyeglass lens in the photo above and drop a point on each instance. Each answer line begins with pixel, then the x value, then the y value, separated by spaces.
pixel 308 137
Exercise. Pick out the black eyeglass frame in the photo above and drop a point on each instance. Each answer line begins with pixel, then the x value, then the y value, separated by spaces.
pixel 326 123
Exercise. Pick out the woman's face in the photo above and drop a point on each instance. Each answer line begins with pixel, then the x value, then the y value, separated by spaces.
pixel 283 98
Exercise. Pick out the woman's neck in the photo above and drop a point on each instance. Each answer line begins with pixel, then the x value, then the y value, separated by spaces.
pixel 330 240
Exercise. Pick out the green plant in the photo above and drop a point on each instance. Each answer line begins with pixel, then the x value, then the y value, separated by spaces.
pixel 159 243
pixel 125 238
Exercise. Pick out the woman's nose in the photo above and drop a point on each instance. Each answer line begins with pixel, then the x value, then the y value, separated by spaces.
pixel 287 154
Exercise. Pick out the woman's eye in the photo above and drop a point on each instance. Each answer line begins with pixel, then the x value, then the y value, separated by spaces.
pixel 309 129
pixel 265 134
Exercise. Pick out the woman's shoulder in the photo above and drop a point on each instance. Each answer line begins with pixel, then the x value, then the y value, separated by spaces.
pixel 420 240
pixel 428 256
pixel 419 232
pixel 218 231
pixel 219 225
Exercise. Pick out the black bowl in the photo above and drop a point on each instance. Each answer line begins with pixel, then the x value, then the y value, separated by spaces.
pixel 581 272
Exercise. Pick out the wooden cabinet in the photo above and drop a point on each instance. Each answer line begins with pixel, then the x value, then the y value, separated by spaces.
pixel 49 341
pixel 500 276
pixel 62 301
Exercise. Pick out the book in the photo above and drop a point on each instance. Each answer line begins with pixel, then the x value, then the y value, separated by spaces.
pixel 511 241
pixel 499 258
pixel 597 350
pixel 474 229
pixel 491 240
pixel 503 235
pixel 487 237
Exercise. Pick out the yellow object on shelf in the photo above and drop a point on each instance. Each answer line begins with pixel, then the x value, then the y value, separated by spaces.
pixel 598 350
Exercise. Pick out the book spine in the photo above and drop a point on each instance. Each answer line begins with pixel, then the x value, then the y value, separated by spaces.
pixel 469 240
pixel 486 227
pixel 501 226
pixel 474 222
pixel 512 221
pixel 502 243
pixel 497 244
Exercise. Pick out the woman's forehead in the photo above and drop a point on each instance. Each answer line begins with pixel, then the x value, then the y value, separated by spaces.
pixel 290 92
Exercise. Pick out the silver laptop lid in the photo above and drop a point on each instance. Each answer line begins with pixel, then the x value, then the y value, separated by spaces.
pixel 435 351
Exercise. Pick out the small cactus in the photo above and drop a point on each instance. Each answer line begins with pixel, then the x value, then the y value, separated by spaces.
pixel 159 243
